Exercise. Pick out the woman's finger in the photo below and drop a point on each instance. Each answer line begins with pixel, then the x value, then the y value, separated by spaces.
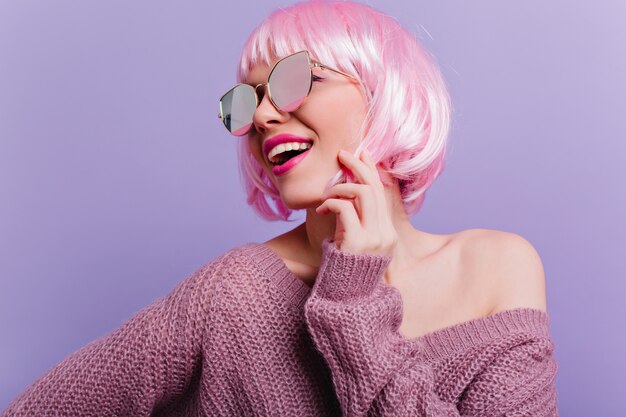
pixel 388 233
pixel 367 158
pixel 384 217
pixel 362 172
pixel 364 200
pixel 345 211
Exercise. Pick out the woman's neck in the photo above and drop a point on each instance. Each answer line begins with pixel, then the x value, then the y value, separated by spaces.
pixel 411 242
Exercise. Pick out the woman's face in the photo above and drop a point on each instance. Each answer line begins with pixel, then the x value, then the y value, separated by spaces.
pixel 330 117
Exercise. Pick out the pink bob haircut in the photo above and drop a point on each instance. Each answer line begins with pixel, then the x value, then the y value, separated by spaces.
pixel 409 107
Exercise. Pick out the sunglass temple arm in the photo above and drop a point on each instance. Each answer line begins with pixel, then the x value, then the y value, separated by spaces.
pixel 318 65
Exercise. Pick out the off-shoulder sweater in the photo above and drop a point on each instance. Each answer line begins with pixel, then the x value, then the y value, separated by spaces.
pixel 244 336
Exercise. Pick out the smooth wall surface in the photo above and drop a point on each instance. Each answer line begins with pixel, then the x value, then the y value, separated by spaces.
pixel 117 180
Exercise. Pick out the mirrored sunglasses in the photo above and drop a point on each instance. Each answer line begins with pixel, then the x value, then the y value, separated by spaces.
pixel 288 85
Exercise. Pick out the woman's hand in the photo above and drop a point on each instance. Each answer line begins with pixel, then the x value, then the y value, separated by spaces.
pixel 364 223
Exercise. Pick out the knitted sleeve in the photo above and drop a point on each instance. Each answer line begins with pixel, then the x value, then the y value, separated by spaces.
pixel 354 317
pixel 141 366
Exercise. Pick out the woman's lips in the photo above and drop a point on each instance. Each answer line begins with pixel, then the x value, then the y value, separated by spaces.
pixel 281 169
pixel 270 143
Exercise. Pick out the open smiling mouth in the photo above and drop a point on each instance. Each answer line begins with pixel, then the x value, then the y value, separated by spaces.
pixel 283 154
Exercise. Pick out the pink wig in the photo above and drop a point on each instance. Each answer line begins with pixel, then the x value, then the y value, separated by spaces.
pixel 408 119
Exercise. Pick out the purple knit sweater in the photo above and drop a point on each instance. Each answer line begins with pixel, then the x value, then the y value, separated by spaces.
pixel 244 336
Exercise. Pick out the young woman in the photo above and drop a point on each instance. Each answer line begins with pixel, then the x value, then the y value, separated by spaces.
pixel 341 113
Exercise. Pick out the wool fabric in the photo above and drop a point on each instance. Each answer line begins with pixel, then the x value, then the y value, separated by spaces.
pixel 244 336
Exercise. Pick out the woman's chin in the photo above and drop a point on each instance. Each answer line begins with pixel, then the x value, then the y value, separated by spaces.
pixel 300 205
pixel 301 200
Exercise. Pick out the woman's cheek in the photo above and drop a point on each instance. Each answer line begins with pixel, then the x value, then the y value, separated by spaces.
pixel 255 148
pixel 326 115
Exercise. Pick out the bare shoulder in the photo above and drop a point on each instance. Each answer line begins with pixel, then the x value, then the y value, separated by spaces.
pixel 509 265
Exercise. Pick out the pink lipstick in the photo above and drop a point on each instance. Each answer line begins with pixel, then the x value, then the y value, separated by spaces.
pixel 282 138
pixel 281 169
pixel 274 141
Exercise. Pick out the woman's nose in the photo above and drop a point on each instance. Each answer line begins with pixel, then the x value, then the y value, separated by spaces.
pixel 266 114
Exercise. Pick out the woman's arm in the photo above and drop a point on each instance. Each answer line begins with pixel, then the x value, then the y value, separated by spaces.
pixel 142 366
pixel 353 317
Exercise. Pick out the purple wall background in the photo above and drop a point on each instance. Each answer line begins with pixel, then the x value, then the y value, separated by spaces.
pixel 117 180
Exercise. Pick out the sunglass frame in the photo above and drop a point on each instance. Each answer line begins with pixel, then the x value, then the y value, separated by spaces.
pixel 312 64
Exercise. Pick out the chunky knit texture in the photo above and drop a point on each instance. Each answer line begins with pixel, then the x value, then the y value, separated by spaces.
pixel 244 336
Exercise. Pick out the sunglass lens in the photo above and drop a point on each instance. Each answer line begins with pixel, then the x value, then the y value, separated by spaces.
pixel 238 106
pixel 290 81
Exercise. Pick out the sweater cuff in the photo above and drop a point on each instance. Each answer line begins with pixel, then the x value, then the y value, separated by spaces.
pixel 344 276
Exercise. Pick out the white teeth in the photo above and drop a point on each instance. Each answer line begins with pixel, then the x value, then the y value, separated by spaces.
pixel 284 147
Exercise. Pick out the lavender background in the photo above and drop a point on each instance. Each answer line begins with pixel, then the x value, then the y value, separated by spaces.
pixel 117 179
